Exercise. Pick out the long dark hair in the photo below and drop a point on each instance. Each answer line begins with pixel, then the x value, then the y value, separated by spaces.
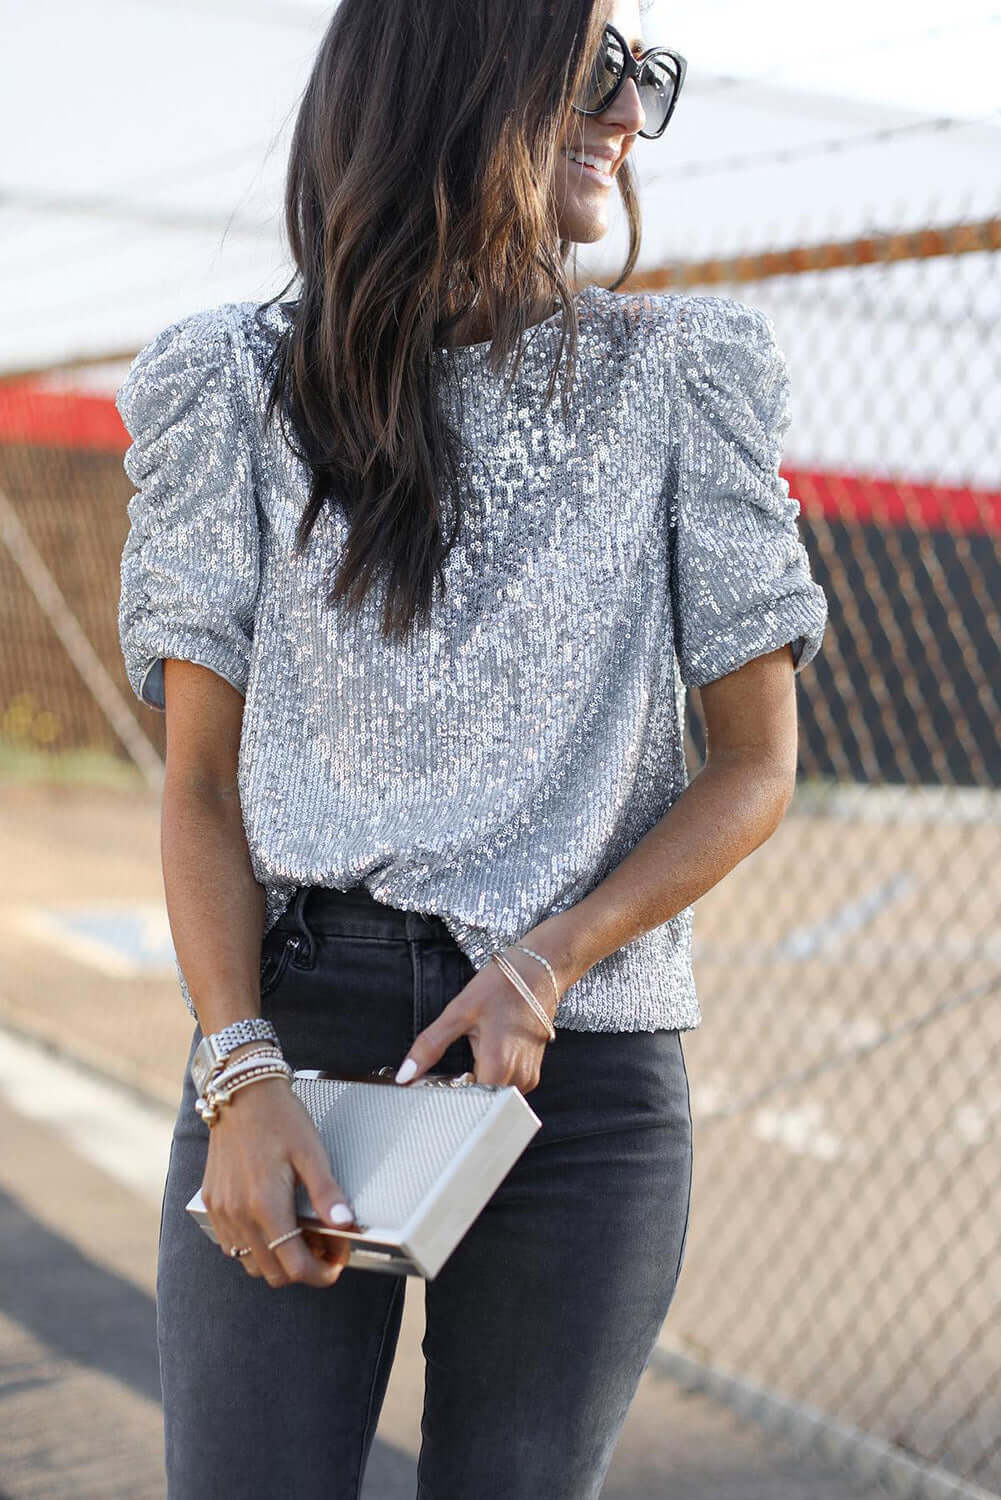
pixel 418 185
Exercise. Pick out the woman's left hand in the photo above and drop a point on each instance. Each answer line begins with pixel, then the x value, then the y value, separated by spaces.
pixel 507 1037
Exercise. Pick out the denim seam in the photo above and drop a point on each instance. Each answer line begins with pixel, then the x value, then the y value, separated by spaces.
pixel 163 1200
pixel 418 991
pixel 371 1391
pixel 691 1164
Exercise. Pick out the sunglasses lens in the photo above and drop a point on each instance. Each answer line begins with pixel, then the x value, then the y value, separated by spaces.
pixel 658 83
pixel 604 76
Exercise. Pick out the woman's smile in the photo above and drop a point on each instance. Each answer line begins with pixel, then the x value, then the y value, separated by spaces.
pixel 589 173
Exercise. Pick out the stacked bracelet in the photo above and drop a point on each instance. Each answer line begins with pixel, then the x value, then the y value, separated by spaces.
pixel 246 1070
pixel 506 967
pixel 247 1065
pixel 549 968
pixel 266 1049
pixel 214 1049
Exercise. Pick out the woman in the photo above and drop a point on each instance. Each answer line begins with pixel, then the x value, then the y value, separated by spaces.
pixel 422 640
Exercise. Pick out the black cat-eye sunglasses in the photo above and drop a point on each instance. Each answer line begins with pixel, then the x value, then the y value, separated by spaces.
pixel 659 75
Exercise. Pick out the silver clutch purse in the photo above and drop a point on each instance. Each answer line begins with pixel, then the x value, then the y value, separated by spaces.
pixel 417 1162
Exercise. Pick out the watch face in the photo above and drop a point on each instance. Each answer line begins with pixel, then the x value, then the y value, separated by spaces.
pixel 208 1053
pixel 203 1062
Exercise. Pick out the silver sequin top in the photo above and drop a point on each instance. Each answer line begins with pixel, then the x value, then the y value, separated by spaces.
pixel 500 765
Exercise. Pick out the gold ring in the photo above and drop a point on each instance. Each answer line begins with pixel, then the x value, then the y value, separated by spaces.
pixel 241 1250
pixel 283 1237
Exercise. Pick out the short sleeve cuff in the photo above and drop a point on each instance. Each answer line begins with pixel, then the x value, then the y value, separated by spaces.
pixel 741 580
pixel 800 624
pixel 190 566
pixel 146 672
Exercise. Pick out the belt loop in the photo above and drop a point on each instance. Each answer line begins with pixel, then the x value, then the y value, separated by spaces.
pixel 305 957
pixel 414 925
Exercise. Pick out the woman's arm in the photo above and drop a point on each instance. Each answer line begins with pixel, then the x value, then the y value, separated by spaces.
pixel 264 1137
pixel 214 904
pixel 734 804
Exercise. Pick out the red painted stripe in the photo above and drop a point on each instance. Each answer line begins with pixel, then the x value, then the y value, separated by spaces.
pixel 59 419
pixel 67 419
pixel 895 502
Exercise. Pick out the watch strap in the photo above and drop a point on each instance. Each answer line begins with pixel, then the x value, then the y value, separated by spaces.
pixel 213 1049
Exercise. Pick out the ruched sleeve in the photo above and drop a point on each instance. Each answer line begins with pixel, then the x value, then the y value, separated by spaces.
pixel 741 582
pixel 190 564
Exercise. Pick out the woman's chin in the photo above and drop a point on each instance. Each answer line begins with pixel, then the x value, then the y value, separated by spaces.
pixel 587 223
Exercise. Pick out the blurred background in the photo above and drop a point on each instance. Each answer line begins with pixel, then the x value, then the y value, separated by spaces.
pixel 836 1329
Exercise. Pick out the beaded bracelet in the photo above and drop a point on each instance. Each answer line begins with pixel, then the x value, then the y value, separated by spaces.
pixel 208 1107
pixel 266 1049
pixel 222 1095
pixel 241 1065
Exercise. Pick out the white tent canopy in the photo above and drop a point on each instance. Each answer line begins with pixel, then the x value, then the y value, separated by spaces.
pixel 144 179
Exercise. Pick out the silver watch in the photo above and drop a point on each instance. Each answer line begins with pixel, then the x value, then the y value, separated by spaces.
pixel 213 1049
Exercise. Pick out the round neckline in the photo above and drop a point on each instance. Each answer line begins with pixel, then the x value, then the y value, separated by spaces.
pixel 478 350
pixel 473 353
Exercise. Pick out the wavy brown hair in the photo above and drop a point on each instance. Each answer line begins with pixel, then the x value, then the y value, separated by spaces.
pixel 419 185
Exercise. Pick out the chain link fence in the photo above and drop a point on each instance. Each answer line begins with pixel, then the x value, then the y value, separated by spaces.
pixel 843 1262
pixel 846 1085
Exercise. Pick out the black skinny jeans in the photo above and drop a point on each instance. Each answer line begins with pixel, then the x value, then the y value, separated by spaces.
pixel 538 1326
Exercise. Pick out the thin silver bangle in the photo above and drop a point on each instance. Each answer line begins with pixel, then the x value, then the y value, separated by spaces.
pixel 542 960
pixel 508 969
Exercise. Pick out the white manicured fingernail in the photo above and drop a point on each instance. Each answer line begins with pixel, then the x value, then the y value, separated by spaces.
pixel 407 1071
pixel 341 1214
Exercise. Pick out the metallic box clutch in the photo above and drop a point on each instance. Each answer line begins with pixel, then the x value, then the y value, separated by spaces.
pixel 417 1162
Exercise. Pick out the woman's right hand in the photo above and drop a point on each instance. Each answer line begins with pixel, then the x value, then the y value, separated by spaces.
pixel 261 1141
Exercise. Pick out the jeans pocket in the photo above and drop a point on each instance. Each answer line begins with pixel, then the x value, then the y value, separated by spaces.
pixel 276 951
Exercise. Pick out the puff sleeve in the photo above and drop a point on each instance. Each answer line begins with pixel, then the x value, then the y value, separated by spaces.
pixel 740 575
pixel 190 563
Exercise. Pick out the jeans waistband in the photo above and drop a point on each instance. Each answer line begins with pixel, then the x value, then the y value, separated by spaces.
pixel 355 912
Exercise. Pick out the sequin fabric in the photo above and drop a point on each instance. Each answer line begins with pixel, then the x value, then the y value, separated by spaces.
pixel 495 768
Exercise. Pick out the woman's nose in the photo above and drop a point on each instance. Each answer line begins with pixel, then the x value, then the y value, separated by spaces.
pixel 626 110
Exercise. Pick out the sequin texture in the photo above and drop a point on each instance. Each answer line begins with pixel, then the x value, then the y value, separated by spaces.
pixel 496 767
